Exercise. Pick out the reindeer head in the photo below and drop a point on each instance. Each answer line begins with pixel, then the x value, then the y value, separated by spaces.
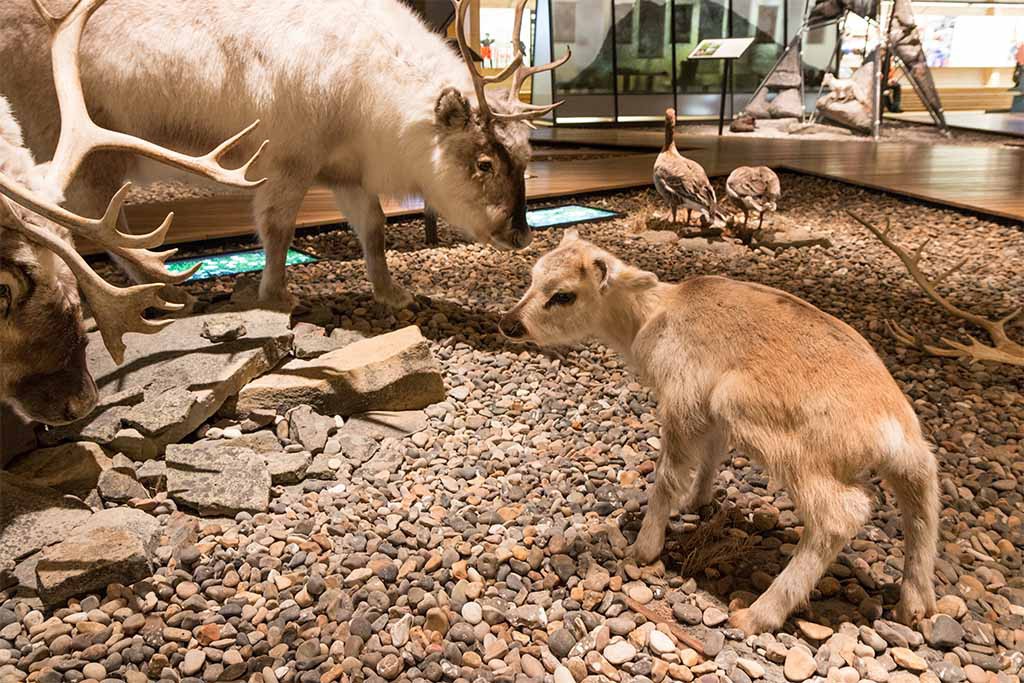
pixel 572 294
pixel 42 339
pixel 482 151
pixel 43 371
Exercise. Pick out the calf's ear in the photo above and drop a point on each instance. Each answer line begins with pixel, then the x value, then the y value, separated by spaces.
pixel 615 273
pixel 452 110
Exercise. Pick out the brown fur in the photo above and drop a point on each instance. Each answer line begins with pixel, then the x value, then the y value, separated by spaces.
pixel 741 365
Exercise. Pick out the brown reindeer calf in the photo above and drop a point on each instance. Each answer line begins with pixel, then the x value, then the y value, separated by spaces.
pixel 742 365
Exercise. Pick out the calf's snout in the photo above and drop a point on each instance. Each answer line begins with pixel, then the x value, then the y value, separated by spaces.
pixel 511 326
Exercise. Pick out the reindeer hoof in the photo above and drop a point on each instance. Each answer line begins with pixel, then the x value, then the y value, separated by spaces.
pixel 393 296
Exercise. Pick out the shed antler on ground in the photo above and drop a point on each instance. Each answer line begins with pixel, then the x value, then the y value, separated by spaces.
pixel 1002 350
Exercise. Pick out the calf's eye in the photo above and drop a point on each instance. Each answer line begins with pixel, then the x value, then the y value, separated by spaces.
pixel 560 299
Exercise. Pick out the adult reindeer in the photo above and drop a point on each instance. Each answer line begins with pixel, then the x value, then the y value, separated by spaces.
pixel 43 373
pixel 357 95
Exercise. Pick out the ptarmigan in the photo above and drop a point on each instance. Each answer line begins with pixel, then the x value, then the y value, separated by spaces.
pixel 682 182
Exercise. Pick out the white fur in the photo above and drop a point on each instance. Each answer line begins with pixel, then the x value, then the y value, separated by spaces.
pixel 345 90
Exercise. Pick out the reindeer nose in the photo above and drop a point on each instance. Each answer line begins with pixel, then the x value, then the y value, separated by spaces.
pixel 512 327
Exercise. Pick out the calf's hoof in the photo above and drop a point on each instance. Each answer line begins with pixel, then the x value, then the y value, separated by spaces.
pixel 647 549
pixel 912 608
pixel 751 623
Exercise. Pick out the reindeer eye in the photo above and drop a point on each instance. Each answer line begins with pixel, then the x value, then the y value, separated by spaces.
pixel 484 165
pixel 5 300
pixel 560 299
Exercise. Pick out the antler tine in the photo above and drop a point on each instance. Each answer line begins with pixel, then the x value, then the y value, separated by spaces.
pixel 103 231
pixel 80 135
pixel 524 72
pixel 461 7
pixel 117 311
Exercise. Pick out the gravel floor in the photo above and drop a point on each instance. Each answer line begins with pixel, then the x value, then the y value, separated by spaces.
pixel 494 551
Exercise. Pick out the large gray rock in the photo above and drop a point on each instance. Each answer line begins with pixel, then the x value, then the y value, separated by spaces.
pixel 786 105
pixel 184 378
pixel 381 424
pixel 217 478
pixel 262 441
pixel 852 113
pixel 72 468
pixel 394 371
pixel 112 546
pixel 33 516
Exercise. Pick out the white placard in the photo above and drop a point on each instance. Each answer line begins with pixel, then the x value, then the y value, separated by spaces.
pixel 720 48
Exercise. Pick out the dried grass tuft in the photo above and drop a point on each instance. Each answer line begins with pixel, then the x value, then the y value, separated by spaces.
pixel 715 541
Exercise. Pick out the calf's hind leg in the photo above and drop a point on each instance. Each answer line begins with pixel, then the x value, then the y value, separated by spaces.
pixel 681 453
pixel 833 513
pixel 917 495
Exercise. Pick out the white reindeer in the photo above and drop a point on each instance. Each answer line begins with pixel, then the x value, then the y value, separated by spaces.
pixel 742 365
pixel 356 94
pixel 43 372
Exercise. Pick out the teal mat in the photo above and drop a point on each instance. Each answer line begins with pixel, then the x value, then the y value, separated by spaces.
pixel 233 263
pixel 566 215
pixel 254 260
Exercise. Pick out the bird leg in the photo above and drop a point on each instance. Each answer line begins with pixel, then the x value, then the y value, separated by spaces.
pixel 688 216
pixel 760 221
pixel 674 210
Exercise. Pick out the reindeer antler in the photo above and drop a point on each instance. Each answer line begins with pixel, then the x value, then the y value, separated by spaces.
pixel 117 311
pixel 1002 350
pixel 515 69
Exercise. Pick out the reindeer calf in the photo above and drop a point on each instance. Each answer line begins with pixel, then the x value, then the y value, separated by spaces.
pixel 742 365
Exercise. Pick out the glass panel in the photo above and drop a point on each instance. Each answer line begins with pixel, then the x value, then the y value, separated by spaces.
pixel 699 82
pixel 763 21
pixel 644 56
pixel 585 83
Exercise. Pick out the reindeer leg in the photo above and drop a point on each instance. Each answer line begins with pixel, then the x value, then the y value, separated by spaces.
pixel 367 220
pixel 277 205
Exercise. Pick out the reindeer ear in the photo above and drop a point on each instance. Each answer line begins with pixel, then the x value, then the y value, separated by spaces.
pixel 452 110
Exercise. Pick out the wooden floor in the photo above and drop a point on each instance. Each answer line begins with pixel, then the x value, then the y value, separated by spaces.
pixel 985 179
pixel 1000 123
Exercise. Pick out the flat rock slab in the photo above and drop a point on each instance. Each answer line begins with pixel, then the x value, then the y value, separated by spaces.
pixel 394 371
pixel 72 468
pixel 791 239
pixel 217 478
pixel 184 377
pixel 381 424
pixel 112 546
pixel 33 516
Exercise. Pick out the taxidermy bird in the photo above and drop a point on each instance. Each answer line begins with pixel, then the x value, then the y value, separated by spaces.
pixel 682 182
pixel 754 188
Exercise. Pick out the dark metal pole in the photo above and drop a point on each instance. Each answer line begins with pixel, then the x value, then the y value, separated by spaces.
pixel 672 37
pixel 615 65
pixel 721 110
pixel 551 54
